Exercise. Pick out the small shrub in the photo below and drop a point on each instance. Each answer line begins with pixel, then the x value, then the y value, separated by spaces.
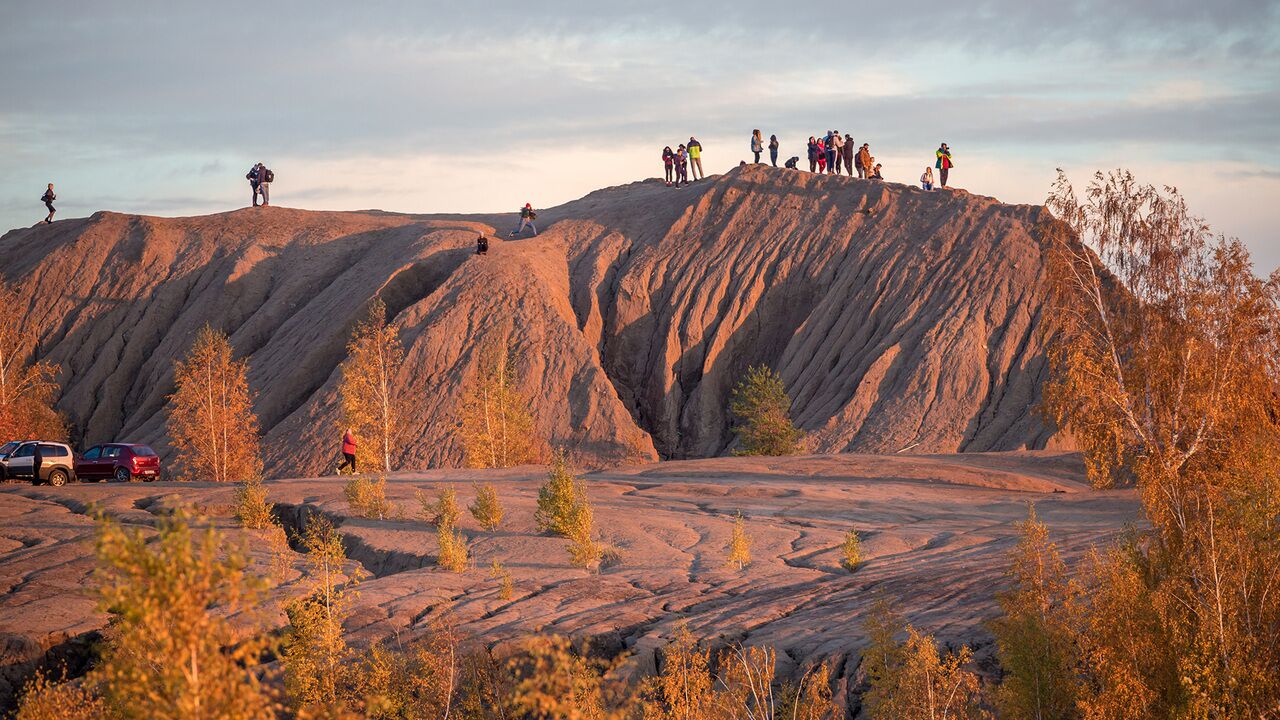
pixel 584 551
pixel 252 508
pixel 506 586
pixel 453 548
pixel 368 497
pixel 443 511
pixel 561 499
pixel 486 509
pixel 851 551
pixel 44 699
pixel 739 548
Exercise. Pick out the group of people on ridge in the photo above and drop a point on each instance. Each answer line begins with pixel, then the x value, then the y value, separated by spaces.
pixel 260 179
pixel 838 154
pixel 676 162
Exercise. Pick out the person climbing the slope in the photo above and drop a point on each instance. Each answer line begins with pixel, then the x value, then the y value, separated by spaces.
pixel 668 163
pixel 349 448
pixel 813 154
pixel 482 245
pixel 926 179
pixel 847 150
pixel 47 198
pixel 527 216
pixel 773 150
pixel 757 144
pixel 944 164
pixel 695 158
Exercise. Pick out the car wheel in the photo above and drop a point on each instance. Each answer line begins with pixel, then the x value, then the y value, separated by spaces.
pixel 58 478
pixel 123 475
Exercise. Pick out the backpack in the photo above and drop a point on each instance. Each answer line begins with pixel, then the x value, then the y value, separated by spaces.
pixel 533 215
pixel 269 176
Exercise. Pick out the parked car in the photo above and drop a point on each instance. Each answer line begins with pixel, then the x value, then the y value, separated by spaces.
pixel 118 461
pixel 57 462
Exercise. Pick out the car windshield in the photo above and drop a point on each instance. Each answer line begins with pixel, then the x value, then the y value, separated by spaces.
pixel 143 450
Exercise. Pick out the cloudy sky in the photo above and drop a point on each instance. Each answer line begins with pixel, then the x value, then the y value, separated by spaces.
pixel 161 107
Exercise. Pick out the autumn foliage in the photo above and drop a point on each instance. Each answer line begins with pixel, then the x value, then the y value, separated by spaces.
pixel 211 421
pixel 496 426
pixel 27 389
pixel 371 401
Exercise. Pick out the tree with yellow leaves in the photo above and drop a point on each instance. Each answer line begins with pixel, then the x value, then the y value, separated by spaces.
pixel 372 403
pixel 738 552
pixel 909 679
pixel 27 388
pixel 497 427
pixel 211 420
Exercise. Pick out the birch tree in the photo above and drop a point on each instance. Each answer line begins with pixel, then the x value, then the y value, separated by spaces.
pixel 497 426
pixel 27 388
pixel 372 404
pixel 211 421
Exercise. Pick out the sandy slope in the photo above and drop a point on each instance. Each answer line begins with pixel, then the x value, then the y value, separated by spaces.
pixel 897 318
pixel 936 531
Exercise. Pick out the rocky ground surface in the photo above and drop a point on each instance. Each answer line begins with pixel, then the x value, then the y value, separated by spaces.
pixel 936 530
pixel 898 319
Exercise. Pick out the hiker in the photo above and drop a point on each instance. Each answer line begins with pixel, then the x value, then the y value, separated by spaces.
pixel 773 150
pixel 695 158
pixel 822 156
pixel 259 177
pixel 757 144
pixel 349 446
pixel 926 180
pixel 791 164
pixel 482 245
pixel 527 216
pixel 813 154
pixel 682 166
pixel 847 151
pixel 47 198
pixel 668 163
pixel 864 161
pixel 835 149
pixel 944 164
pixel 875 174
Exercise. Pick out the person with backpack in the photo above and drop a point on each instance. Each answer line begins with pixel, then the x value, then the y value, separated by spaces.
pixel 864 161
pixel 695 158
pixel 668 163
pixel 349 451
pixel 682 166
pixel 757 144
pixel 527 216
pixel 926 179
pixel 835 150
pixel 813 154
pixel 482 245
pixel 847 150
pixel 944 164
pixel 259 177
pixel 773 150
pixel 47 198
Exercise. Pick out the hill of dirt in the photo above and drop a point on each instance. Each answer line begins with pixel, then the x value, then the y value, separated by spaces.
pixel 897 318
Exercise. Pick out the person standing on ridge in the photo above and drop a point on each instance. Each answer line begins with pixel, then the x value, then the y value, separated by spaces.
pixel 864 161
pixel 822 156
pixel 349 446
pixel 944 164
pixel 813 154
pixel 773 150
pixel 695 158
pixel 847 150
pixel 757 144
pixel 837 150
pixel 668 163
pixel 926 180
pixel 527 216
pixel 259 177
pixel 47 198
pixel 682 166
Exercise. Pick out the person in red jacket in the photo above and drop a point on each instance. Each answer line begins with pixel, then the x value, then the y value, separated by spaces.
pixel 348 451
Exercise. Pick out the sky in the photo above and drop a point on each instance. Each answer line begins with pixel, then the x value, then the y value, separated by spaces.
pixel 162 107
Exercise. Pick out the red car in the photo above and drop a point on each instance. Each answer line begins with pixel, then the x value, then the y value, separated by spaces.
pixel 118 461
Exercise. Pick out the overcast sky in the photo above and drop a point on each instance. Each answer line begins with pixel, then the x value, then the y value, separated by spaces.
pixel 161 107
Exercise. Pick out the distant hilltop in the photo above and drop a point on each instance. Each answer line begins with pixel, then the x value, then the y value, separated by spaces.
pixel 899 319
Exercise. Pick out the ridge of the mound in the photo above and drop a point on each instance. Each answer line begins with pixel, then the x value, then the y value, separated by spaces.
pixel 898 318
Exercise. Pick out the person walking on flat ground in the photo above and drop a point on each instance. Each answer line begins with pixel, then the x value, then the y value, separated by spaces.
pixel 926 180
pixel 527 216
pixel 773 150
pixel 695 158
pixel 349 446
pixel 944 164
pixel 847 151
pixel 47 198
pixel 669 163
pixel 757 144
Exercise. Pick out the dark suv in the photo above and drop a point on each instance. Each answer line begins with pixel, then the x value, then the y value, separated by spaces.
pixel 118 461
